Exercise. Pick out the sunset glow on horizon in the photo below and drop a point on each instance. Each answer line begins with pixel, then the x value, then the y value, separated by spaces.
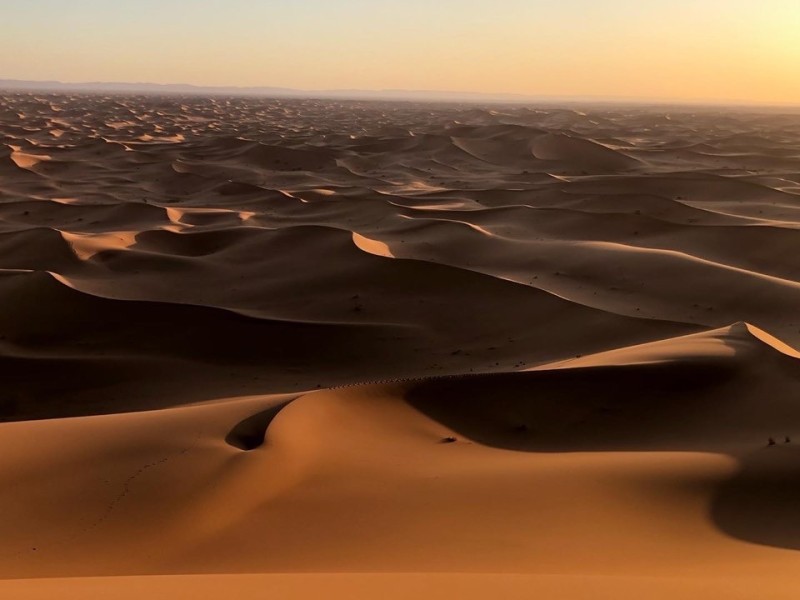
pixel 717 50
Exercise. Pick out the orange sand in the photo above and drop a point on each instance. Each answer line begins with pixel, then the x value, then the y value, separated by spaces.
pixel 296 349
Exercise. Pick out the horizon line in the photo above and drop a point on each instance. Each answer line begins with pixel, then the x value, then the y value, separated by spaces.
pixel 397 94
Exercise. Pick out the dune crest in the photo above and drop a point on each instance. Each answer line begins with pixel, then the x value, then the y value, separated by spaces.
pixel 740 341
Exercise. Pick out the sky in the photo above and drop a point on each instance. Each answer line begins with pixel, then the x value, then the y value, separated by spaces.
pixel 698 50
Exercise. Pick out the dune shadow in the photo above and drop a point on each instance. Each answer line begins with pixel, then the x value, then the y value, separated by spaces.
pixel 643 407
pixel 249 433
pixel 761 503
pixel 714 407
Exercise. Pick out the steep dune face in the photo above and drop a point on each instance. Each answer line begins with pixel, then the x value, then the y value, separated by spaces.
pixel 700 392
pixel 414 341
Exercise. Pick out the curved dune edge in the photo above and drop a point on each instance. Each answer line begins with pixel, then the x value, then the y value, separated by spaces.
pixel 772 341
pixel 26 160
pixel 735 341
pixel 372 246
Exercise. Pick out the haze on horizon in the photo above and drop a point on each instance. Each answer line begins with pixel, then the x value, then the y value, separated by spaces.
pixel 675 50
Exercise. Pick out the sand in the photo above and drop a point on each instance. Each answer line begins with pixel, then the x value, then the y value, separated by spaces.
pixel 297 349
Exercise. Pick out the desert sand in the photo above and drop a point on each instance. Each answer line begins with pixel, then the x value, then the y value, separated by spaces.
pixel 330 349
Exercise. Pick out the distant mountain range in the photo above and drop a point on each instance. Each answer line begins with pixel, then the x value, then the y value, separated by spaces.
pixel 273 92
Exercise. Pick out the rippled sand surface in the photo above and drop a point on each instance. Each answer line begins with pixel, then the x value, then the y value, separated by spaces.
pixel 407 348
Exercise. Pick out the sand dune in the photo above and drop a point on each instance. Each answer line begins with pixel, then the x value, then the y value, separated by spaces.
pixel 295 348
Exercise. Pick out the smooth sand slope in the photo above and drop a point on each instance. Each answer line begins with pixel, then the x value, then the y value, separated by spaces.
pixel 302 349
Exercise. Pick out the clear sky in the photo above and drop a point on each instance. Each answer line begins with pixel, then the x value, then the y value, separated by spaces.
pixel 722 50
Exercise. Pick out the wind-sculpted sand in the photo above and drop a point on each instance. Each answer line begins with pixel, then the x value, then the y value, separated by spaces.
pixel 331 349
